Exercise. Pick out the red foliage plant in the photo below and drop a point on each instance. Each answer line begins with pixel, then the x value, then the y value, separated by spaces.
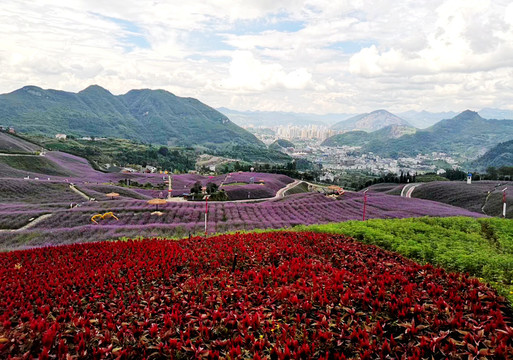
pixel 279 295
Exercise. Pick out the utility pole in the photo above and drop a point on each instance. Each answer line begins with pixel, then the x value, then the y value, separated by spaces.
pixel 169 189
pixel 364 203
pixel 504 202
pixel 206 213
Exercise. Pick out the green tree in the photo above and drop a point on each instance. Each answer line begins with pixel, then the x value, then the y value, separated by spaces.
pixel 196 188
pixel 164 151
pixel 212 188
pixel 492 172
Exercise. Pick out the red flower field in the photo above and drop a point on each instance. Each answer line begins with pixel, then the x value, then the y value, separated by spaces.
pixel 275 295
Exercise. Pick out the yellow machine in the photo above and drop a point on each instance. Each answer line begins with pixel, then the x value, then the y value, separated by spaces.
pixel 103 216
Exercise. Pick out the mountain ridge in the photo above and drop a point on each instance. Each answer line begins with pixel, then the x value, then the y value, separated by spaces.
pixel 153 116
pixel 467 135
pixel 372 121
pixel 361 138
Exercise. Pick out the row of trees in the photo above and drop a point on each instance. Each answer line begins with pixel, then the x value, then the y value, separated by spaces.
pixel 390 178
pixel 212 189
pixel 502 173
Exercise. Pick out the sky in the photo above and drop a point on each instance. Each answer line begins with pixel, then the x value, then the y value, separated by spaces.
pixel 311 56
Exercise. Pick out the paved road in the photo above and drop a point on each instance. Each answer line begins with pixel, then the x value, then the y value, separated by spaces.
pixel 408 190
pixel 281 193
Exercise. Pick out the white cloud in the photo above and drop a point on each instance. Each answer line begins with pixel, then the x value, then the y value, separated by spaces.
pixel 249 74
pixel 310 55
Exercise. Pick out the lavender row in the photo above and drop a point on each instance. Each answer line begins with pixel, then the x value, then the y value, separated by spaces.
pixel 311 209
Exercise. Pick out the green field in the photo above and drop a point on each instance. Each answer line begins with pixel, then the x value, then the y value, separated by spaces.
pixel 481 247
pixel 300 188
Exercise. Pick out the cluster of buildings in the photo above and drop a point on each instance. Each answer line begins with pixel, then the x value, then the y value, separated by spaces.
pixel 292 132
pixel 7 129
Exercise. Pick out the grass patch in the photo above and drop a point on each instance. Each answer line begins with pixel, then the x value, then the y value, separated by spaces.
pixel 300 188
pixel 480 247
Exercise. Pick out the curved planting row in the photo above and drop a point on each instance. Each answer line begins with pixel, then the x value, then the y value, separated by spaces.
pixel 278 295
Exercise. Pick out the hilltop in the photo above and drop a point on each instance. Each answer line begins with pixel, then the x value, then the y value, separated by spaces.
pixel 281 144
pixel 361 138
pixel 370 122
pixel 151 116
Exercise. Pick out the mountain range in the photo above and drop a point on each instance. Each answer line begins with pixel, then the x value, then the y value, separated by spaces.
pixel 467 135
pixel 151 116
pixel 277 118
pixel 419 119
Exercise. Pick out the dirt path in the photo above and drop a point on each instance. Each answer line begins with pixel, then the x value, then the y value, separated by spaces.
pixel 72 187
pixel 14 154
pixel 29 224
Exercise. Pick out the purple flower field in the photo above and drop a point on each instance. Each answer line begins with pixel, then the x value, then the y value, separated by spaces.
pixel 67 213
pixel 179 219
pixel 84 176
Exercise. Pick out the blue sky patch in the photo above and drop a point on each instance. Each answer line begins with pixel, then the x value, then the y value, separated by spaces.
pixel 257 26
pixel 132 37
pixel 350 47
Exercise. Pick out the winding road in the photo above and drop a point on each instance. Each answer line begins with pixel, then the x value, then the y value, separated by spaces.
pixel 408 190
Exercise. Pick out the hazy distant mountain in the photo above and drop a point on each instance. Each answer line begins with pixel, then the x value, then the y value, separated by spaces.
pixel 467 134
pixel 370 122
pixel 498 156
pixel 281 145
pixel 276 118
pixel 153 116
pixel 499 114
pixel 424 119
pixel 361 138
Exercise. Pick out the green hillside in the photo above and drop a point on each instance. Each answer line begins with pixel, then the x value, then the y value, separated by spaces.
pixel 464 135
pixel 361 138
pixel 152 116
pixel 281 144
pixel 499 156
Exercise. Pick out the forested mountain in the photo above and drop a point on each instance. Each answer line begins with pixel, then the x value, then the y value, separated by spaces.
pixel 499 156
pixel 467 135
pixel 152 116
pixel 361 138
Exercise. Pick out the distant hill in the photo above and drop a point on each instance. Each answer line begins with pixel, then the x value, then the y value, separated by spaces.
pixel 467 135
pixel 499 114
pixel 370 122
pixel 281 144
pixel 276 118
pixel 424 119
pixel 361 138
pixel 152 116
pixel 498 156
